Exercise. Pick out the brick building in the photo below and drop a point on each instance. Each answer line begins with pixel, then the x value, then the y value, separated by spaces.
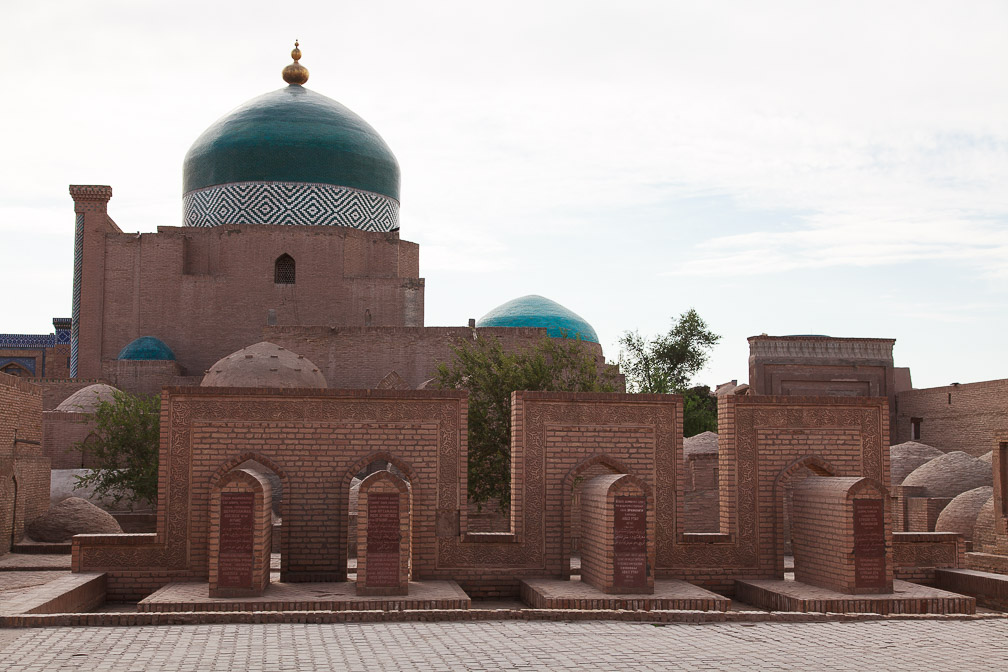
pixel 24 471
pixel 291 235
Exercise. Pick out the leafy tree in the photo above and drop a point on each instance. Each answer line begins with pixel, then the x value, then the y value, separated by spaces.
pixel 667 364
pixel 699 411
pixel 491 374
pixel 125 443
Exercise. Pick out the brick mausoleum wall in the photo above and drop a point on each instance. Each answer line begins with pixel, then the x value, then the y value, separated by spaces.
pixel 222 279
pixel 317 440
pixel 762 442
pixel 61 432
pixel 24 471
pixel 56 390
pixel 142 377
pixel 701 495
pixel 923 512
pixel 359 357
pixel 955 417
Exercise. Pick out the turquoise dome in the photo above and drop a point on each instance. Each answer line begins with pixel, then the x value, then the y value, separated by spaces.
pixel 147 347
pixel 538 311
pixel 292 135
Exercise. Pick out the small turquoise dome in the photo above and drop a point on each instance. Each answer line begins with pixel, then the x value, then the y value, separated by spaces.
pixel 538 311
pixel 147 347
pixel 295 135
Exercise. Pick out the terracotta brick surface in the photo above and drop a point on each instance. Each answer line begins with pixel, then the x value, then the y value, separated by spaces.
pixel 316 441
pixel 24 470
pixel 383 483
pixel 826 535
pixel 963 417
pixel 254 579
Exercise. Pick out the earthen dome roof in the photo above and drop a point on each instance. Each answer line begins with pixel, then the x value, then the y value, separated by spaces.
pixel 950 474
pixel 961 513
pixel 704 443
pixel 905 457
pixel 86 399
pixel 264 365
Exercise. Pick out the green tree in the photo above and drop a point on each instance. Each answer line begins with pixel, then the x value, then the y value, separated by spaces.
pixel 491 374
pixel 667 363
pixel 125 443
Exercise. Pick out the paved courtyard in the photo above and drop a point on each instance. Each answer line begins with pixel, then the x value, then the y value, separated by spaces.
pixel 888 645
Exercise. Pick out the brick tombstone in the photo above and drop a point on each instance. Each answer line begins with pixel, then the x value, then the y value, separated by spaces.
pixel 240 534
pixel 617 535
pixel 841 535
pixel 384 507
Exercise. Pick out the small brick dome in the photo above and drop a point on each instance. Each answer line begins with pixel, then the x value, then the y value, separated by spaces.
pixel 905 457
pixel 86 399
pixel 264 365
pixel 705 443
pixel 950 475
pixel 538 311
pixel 985 538
pixel 147 347
pixel 961 513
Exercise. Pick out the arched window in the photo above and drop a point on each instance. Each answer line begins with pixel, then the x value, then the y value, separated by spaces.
pixel 283 270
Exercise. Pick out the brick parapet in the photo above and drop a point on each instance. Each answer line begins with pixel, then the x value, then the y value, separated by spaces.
pixel 964 417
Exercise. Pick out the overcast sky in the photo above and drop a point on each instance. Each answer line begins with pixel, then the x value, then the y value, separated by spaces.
pixel 783 167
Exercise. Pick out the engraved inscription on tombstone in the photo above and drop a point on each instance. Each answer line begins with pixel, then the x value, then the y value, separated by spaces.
pixel 234 556
pixel 630 543
pixel 869 544
pixel 383 540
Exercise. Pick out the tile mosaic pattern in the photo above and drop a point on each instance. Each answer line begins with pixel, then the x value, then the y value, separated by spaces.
pixel 290 203
pixel 25 362
pixel 27 340
pixel 77 274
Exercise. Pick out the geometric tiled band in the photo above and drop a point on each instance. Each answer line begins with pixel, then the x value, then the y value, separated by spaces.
pixel 290 203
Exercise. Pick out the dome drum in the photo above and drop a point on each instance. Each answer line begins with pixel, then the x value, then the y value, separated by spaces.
pixel 292 156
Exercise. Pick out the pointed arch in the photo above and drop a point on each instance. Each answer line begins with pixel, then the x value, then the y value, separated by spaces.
pixel 594 465
pixel 818 466
pixel 284 270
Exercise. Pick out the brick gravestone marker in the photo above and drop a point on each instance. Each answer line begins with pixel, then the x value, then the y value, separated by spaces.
pixel 869 544
pixel 383 539
pixel 617 535
pixel 629 543
pixel 839 535
pixel 241 533
pixel 383 535
pixel 234 560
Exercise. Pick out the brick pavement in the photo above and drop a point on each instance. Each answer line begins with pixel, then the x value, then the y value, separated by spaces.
pixel 889 645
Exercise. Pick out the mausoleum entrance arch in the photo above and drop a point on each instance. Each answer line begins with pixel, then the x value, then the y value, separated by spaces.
pixel 782 497
pixel 281 495
pixel 361 469
pixel 596 465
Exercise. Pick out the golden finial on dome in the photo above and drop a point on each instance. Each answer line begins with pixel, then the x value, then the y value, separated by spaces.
pixel 295 73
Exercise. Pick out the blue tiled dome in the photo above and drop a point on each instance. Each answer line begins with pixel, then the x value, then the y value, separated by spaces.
pixel 538 311
pixel 147 347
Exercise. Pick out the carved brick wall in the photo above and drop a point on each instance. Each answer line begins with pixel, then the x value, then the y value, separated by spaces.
pixel 315 441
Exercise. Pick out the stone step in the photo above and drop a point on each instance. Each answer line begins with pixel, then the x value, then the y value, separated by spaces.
pixel 990 590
